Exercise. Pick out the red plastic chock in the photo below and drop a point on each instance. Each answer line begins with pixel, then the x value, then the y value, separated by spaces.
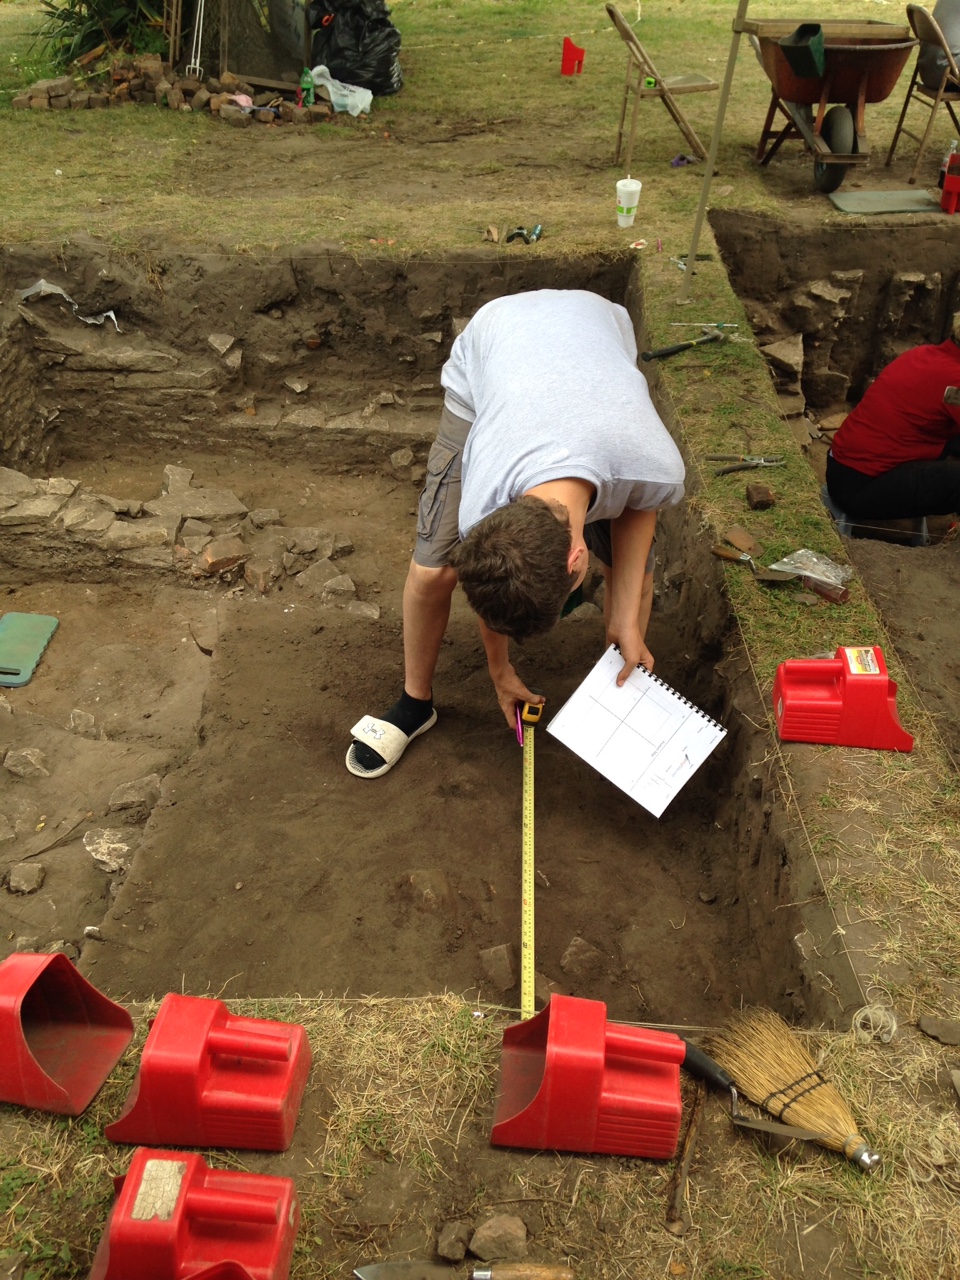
pixel 174 1217
pixel 210 1079
pixel 59 1036
pixel 571 61
pixel 571 1081
pixel 848 700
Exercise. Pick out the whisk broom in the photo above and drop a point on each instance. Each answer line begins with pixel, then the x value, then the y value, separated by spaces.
pixel 773 1069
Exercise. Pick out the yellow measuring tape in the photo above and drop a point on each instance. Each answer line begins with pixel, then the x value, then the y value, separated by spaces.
pixel 529 716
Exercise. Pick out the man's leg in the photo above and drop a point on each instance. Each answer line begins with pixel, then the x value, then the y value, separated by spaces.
pixel 910 490
pixel 427 591
pixel 426 609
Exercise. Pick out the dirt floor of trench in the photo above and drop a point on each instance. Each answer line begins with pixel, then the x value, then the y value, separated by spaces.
pixel 266 868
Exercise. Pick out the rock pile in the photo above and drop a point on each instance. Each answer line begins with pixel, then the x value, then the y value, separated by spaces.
pixel 152 82
pixel 200 533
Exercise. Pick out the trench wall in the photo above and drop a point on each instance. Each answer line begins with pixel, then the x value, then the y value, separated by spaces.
pixel 860 294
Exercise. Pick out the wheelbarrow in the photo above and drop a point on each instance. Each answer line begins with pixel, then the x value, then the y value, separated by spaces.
pixel 815 64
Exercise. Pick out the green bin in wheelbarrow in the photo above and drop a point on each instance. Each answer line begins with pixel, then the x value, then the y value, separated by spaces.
pixel 803 50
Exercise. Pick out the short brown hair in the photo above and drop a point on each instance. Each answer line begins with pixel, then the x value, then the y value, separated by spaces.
pixel 513 567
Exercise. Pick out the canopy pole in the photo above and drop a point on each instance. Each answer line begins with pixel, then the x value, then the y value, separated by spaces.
pixel 684 295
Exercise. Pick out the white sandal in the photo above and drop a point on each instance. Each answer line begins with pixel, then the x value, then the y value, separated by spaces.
pixel 386 740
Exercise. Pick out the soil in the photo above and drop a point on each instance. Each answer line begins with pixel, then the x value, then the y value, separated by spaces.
pixel 266 868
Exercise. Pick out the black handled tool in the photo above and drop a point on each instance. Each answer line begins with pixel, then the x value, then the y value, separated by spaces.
pixel 704 1067
pixel 709 335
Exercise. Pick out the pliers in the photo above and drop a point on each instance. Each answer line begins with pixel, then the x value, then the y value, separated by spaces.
pixel 743 462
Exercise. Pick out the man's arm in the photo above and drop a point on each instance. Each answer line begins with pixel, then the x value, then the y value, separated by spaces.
pixel 508 685
pixel 631 536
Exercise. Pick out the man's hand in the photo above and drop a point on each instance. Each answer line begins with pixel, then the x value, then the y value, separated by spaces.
pixel 510 688
pixel 633 650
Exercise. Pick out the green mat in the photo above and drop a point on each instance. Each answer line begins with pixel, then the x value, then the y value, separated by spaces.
pixel 23 638
pixel 908 201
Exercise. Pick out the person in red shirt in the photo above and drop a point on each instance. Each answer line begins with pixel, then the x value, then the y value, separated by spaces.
pixel 897 454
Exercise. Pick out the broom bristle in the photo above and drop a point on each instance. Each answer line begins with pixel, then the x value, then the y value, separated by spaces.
pixel 773 1069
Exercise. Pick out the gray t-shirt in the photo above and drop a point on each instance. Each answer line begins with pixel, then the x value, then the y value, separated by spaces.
pixel 550 383
pixel 932 62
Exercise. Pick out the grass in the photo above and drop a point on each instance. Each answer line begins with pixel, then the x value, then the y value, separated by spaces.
pixel 411 1083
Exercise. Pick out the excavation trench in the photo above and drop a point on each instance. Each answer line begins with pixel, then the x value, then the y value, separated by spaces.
pixel 310 386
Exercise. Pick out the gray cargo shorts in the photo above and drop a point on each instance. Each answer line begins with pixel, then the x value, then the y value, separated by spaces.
pixel 438 524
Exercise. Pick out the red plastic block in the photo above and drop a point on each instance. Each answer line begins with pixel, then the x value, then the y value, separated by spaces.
pixel 174 1218
pixel 59 1037
pixel 571 62
pixel 571 1081
pixel 208 1079
pixel 848 700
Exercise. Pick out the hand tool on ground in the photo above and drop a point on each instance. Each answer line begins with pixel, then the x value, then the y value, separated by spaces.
pixel 739 537
pixel 759 572
pixel 711 333
pixel 700 1064
pixel 678 1224
pixel 702 324
pixel 528 716
pixel 415 1269
pixel 744 461
pixel 773 1069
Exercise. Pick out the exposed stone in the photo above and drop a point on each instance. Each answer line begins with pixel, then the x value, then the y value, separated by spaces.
pixel 309 542
pixel 363 609
pixel 221 342
pixel 261 573
pixel 137 798
pixel 241 121
pixel 86 513
pixel 499 965
pixel 315 579
pixel 786 354
pixel 234 359
pixel 195 529
pixel 503 1237
pixel 200 99
pixel 223 553
pixel 15 484
pixel 26 943
pixel 112 848
pixel 32 511
pixel 13 1266
pixel 196 545
pixel 342 546
pixel 401 458
pixel 265 516
pixel 7 830
pixel 452 1241
pixel 197 504
pixel 338 590
pixel 127 535
pixel 26 762
pixel 544 988
pixel 945 1030
pixel 177 479
pixel 296 385
pixel 60 485
pixel 121 360
pixel 53 88
pixel 26 877
pixel 63 948
pixel 581 959
pixel 82 723
pixel 582 612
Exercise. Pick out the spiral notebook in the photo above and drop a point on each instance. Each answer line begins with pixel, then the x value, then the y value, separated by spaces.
pixel 644 736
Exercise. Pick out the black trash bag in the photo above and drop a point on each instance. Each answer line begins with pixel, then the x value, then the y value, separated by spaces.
pixel 357 43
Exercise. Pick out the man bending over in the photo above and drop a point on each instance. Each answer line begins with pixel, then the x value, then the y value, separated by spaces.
pixel 549 447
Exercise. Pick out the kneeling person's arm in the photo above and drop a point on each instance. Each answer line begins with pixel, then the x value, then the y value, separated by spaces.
pixel 631 537
pixel 508 685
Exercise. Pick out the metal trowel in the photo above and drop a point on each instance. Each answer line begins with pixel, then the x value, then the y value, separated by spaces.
pixel 700 1064
pixel 415 1269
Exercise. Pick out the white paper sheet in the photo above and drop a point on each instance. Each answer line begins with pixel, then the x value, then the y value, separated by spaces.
pixel 644 736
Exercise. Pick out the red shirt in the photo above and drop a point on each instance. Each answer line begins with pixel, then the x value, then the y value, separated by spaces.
pixel 902 417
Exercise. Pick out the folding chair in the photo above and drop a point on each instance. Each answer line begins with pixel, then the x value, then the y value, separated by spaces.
pixel 948 92
pixel 645 81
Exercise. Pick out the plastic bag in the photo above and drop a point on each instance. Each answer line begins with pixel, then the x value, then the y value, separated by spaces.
pixel 343 97
pixel 812 564
pixel 358 43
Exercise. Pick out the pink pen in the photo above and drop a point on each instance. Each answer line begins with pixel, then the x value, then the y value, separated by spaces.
pixel 519 726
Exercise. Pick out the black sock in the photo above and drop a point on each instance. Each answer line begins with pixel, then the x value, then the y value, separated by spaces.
pixel 408 714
